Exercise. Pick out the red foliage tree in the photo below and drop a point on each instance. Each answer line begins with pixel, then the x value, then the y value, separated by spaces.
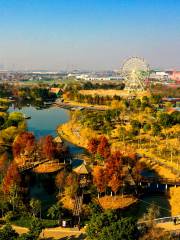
pixel 93 145
pixel 11 178
pixel 115 183
pixel 114 171
pixel 99 178
pixel 48 147
pixel 24 143
pixel 113 165
pixel 3 162
pixel 103 147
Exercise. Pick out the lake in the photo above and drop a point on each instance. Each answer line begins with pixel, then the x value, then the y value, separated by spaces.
pixel 45 122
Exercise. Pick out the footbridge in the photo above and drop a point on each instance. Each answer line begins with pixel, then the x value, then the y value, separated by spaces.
pixel 160 180
pixel 31 165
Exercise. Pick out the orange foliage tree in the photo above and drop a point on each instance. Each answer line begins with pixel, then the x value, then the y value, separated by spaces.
pixel 24 143
pixel 113 165
pixel 48 147
pixel 3 162
pixel 60 180
pixel 103 147
pixel 110 175
pixel 71 185
pixel 99 178
pixel 115 183
pixel 11 178
pixel 93 145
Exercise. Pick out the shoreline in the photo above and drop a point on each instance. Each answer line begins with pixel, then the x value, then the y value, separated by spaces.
pixel 75 134
pixel 72 105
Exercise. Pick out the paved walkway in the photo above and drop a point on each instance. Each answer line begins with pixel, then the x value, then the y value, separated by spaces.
pixel 56 233
pixel 169 226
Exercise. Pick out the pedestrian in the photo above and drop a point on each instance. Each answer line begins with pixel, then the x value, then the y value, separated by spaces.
pixel 175 221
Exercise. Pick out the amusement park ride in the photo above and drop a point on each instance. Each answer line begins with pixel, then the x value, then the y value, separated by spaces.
pixel 135 71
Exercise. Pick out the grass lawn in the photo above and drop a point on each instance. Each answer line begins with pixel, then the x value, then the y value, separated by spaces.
pixel 26 222
pixel 116 202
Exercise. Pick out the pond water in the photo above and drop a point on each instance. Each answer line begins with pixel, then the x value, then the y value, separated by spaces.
pixel 44 122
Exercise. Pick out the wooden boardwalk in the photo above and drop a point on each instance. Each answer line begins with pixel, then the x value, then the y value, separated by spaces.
pixel 166 181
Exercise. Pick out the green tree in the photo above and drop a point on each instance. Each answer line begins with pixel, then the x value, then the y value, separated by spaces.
pixel 7 233
pixel 122 134
pixel 156 129
pixel 155 99
pixel 165 120
pixel 175 117
pixel 3 206
pixel 136 126
pixel 146 127
pixel 107 226
pixel 152 213
pixel 55 211
pixel 34 231
pixel 125 228
pixel 35 205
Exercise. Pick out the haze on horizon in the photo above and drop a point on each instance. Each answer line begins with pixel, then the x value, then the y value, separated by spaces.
pixel 88 34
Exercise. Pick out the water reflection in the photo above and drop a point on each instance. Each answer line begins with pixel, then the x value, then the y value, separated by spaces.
pixel 44 121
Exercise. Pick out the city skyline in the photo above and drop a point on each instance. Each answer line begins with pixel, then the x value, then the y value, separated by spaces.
pixel 96 35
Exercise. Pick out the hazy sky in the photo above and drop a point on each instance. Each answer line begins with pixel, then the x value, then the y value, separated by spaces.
pixel 88 34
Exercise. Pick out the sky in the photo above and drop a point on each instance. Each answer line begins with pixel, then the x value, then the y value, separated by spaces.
pixel 88 34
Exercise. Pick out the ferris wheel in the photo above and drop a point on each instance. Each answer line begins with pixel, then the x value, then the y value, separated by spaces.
pixel 134 71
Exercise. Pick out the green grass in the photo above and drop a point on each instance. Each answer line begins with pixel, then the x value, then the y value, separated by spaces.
pixel 26 222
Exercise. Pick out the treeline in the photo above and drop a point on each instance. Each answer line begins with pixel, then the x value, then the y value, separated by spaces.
pixel 165 91
pixel 40 92
pixel 93 85
pixel 108 85
pixel 90 99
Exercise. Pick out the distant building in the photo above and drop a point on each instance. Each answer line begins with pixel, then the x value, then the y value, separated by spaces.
pixel 159 75
pixel 56 91
pixel 174 75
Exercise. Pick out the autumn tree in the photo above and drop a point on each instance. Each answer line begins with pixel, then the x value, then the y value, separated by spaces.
pixel 11 185
pixel 113 164
pixel 3 163
pixel 99 178
pixel 60 180
pixel 48 147
pixel 11 178
pixel 115 183
pixel 71 185
pixel 103 147
pixel 23 144
pixel 93 145
pixel 114 171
